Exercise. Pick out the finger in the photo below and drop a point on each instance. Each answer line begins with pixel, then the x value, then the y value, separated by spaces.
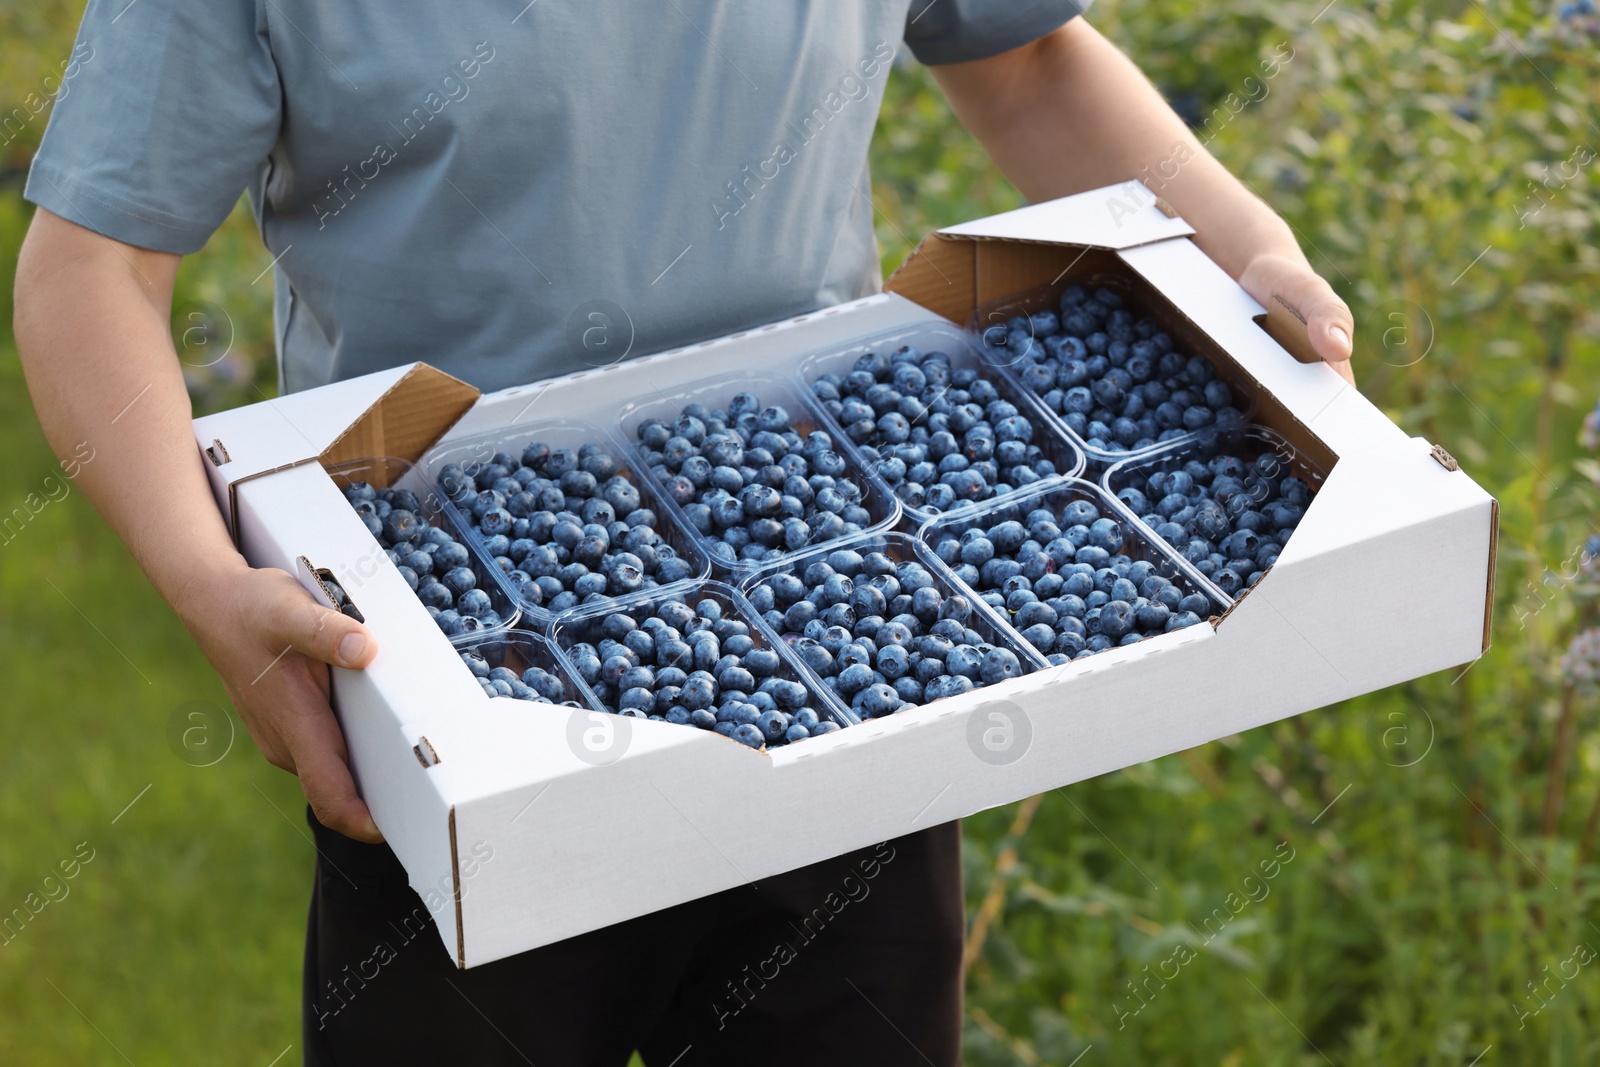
pixel 1331 327
pixel 297 621
pixel 1328 320
pixel 320 761
pixel 265 738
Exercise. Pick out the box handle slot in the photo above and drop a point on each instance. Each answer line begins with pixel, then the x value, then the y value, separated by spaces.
pixel 334 591
pixel 1285 325
pixel 217 453
pixel 425 753
pixel 1444 458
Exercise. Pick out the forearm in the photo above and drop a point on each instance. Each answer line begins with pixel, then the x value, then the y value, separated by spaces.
pixel 92 332
pixel 1070 112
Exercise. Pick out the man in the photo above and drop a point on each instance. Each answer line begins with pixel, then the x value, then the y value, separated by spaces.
pixel 465 184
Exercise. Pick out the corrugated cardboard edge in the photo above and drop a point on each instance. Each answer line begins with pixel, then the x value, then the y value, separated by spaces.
pixel 940 274
pixel 407 419
pixel 455 879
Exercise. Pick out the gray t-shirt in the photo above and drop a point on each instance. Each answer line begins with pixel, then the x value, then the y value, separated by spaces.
pixel 507 190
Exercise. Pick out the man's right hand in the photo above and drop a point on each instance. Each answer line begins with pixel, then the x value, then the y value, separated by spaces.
pixel 93 325
pixel 270 641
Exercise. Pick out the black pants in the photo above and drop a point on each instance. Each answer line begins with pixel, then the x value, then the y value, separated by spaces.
pixel 853 960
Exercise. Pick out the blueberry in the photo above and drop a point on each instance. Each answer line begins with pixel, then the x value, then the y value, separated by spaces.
pixel 698 692
pixel 999 664
pixel 963 660
pixel 876 700
pixel 473 602
pixel 774 725
pixel 854 678
pixel 476 664
pixel 893 662
pixel 752 485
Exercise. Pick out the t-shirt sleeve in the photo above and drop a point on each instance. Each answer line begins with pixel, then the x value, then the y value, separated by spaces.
pixel 165 113
pixel 956 31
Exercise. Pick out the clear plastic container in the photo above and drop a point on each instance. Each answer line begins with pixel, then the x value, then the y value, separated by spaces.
pixel 805 416
pixel 388 472
pixel 583 625
pixel 573 434
pixel 956 343
pixel 1137 542
pixel 1139 297
pixel 1248 445
pixel 518 650
pixel 901 547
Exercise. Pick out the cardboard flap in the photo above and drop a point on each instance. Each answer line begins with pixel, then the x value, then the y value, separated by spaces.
pixel 953 276
pixel 402 410
pixel 940 275
pixel 408 418
pixel 1115 217
pixel 953 270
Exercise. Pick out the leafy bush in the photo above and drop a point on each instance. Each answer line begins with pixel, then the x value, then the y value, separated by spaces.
pixel 1437 162
pixel 1432 846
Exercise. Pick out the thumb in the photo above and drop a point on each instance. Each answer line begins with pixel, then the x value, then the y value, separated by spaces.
pixel 1328 319
pixel 297 620
pixel 1329 324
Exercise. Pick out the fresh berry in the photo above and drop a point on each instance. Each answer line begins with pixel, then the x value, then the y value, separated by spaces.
pixel 699 665
pixel 751 485
pixel 565 526
pixel 428 557
pixel 1117 381
pixel 1060 583
pixel 1229 515
pixel 882 631
pixel 939 436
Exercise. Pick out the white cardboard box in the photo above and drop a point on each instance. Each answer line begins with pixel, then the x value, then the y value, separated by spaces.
pixel 516 842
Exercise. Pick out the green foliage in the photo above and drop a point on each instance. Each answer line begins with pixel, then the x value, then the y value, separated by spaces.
pixel 1424 153
pixel 1433 169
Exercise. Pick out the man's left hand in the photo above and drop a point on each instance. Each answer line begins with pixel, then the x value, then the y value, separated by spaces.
pixel 1328 318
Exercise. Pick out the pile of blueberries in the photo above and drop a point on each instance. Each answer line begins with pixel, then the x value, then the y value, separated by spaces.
pixel 434 564
pixel 1115 380
pixel 749 483
pixel 879 632
pixel 939 436
pixel 1227 516
pixel 700 666
pixel 1065 583
pixel 566 527
pixel 535 683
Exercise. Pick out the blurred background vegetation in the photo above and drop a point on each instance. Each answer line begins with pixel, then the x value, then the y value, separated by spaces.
pixel 1438 904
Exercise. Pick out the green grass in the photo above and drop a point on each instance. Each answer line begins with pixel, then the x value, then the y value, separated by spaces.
pixel 179 941
pixel 1427 887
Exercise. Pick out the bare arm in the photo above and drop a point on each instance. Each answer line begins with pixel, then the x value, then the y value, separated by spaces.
pixel 92 330
pixel 1070 112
